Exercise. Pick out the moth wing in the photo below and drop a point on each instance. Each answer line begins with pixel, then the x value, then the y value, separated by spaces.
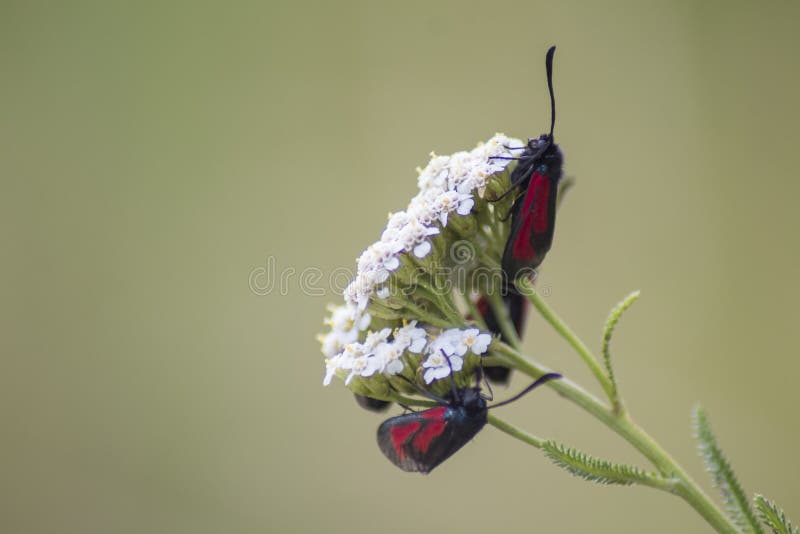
pixel 532 228
pixel 418 442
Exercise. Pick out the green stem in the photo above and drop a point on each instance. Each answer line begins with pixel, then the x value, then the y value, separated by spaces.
pixel 623 425
pixel 436 295
pixel 490 262
pixel 564 387
pixel 654 481
pixel 515 432
pixel 527 289
pixel 501 313
pixel 419 313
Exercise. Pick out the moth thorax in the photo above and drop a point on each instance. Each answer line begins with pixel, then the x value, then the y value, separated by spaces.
pixel 472 401
pixel 537 143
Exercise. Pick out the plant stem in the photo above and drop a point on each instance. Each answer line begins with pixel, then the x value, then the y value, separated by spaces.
pixel 622 424
pixel 653 480
pixel 515 432
pixel 419 313
pixel 527 289
pixel 500 311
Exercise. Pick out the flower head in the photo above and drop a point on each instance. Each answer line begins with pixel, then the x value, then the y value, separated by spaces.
pixel 391 320
pixel 448 185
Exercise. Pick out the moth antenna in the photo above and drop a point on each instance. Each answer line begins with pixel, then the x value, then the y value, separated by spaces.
pixel 548 62
pixel 407 408
pixel 424 392
pixel 480 375
pixel 486 381
pixel 539 381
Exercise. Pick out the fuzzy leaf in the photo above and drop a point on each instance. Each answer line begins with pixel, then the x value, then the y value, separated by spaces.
pixel 736 502
pixel 598 470
pixel 608 332
pixel 773 516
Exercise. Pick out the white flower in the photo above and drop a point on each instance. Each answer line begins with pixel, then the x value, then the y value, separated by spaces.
pixel 331 366
pixel 476 181
pixel 438 365
pixel 414 237
pixel 414 339
pixel 456 342
pixel 465 204
pixel 383 293
pixel 423 249
pixel 459 168
pixel 347 318
pixel 474 340
pixel 390 356
pixel 346 323
pixel 359 290
pixel 364 366
pixel 343 361
pixel 374 339
pixel 446 342
pixel 349 354
pixel 333 343
pixel 453 201
pixel 435 174
pixel 422 207
pixel 381 259
pixel 396 221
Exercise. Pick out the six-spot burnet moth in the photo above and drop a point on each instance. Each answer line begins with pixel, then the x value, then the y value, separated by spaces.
pixel 419 441
pixel 533 214
pixel 533 217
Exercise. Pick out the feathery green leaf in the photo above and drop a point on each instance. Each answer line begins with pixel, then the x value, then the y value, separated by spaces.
pixel 773 516
pixel 734 497
pixel 601 471
pixel 608 332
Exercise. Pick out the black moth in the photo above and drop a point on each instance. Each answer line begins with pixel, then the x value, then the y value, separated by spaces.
pixel 419 441
pixel 533 215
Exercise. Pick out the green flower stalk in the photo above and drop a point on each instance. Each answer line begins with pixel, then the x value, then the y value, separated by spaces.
pixel 410 329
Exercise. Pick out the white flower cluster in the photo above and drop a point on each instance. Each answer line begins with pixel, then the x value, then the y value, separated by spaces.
pixel 447 351
pixel 346 324
pixel 447 185
pixel 378 354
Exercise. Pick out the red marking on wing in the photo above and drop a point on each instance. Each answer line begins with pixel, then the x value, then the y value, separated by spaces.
pixel 540 214
pixel 534 213
pixel 399 436
pixel 430 431
pixel 434 413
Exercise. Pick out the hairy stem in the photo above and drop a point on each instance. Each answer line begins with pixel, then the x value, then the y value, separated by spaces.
pixel 501 312
pixel 515 432
pixel 622 424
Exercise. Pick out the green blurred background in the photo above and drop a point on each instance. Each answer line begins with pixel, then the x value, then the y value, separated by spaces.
pixel 154 155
